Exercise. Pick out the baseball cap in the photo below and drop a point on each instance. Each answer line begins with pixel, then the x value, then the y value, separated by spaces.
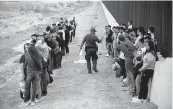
pixel 93 29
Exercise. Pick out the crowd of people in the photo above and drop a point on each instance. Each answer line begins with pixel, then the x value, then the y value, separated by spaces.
pixel 41 56
pixel 135 53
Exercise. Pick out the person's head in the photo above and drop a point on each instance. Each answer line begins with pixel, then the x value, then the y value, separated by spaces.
pixel 73 18
pixel 147 38
pixel 60 28
pixel 109 27
pixel 52 31
pixel 26 46
pixel 41 37
pixel 121 38
pixel 126 33
pixel 34 38
pixel 48 28
pixel 121 29
pixel 54 25
pixel 92 30
pixel 151 29
pixel 61 18
pixel 150 46
pixel 141 31
pixel 129 23
pixel 115 29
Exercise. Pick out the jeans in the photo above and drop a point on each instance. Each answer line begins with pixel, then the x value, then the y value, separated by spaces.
pixel 44 80
pixel 38 87
pixel 32 77
pixel 146 75
pixel 62 46
pixel 57 59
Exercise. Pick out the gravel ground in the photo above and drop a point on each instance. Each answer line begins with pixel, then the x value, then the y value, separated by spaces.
pixel 73 87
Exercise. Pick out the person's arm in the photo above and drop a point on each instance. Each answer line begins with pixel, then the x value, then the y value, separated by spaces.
pixel 22 71
pixel 22 61
pixel 83 41
pixel 63 35
pixel 99 40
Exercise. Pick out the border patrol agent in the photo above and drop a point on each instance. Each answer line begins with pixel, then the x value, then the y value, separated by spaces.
pixel 91 49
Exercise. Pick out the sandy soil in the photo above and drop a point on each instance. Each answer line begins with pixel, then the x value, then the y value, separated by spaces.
pixel 73 87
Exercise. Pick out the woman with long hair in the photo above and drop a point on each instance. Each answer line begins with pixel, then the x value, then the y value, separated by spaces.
pixel 146 70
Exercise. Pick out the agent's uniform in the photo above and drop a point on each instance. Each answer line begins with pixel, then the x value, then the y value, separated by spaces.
pixel 91 49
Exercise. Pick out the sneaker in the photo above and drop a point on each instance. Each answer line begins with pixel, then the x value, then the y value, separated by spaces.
pixel 24 104
pixel 95 69
pixel 38 100
pixel 137 101
pixel 32 103
pixel 135 97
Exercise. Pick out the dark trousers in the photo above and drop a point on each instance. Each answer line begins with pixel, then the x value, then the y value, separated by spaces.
pixel 123 70
pixel 74 32
pixel 62 46
pixel 146 75
pixel 50 63
pixel 32 77
pixel 91 53
pixel 57 59
pixel 66 46
pixel 44 80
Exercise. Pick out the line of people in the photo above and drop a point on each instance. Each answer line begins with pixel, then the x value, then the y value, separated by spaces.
pixel 135 54
pixel 41 56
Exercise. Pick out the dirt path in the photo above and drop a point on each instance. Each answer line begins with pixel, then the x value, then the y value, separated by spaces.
pixel 73 87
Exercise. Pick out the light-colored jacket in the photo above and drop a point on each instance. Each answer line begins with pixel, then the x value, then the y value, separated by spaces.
pixel 43 49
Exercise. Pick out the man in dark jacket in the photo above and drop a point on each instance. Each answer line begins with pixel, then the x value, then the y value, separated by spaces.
pixel 91 49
